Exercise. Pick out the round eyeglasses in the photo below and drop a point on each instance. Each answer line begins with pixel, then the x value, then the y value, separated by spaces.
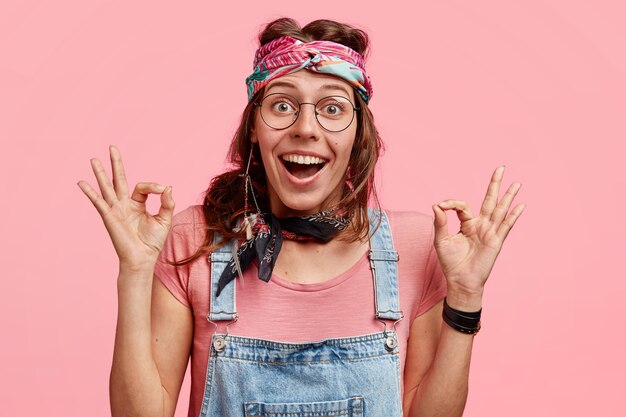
pixel 333 113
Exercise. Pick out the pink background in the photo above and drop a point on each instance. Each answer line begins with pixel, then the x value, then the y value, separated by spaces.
pixel 537 85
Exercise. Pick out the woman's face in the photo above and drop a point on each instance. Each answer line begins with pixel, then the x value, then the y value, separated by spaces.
pixel 297 189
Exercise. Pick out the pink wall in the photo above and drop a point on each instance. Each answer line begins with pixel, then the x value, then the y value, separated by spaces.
pixel 460 87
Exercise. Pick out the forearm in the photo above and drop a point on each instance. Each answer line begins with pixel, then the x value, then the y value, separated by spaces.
pixel 443 390
pixel 135 385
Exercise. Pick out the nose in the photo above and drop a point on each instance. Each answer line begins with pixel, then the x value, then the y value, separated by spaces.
pixel 306 125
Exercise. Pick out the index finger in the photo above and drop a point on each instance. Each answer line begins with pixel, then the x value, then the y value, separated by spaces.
pixel 491 198
pixel 119 176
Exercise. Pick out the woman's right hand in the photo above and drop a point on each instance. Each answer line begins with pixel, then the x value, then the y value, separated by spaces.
pixel 137 236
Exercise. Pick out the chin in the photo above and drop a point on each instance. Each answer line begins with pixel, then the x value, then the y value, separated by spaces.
pixel 299 205
pixel 297 208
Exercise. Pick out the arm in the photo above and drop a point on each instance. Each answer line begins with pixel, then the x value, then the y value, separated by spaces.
pixel 153 332
pixel 437 366
pixel 172 338
pixel 438 359
pixel 152 345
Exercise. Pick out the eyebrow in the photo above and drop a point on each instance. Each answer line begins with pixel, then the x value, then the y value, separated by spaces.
pixel 292 86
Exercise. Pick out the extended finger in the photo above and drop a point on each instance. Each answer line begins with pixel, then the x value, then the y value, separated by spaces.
pixel 101 206
pixel 167 206
pixel 509 221
pixel 143 189
pixel 491 198
pixel 461 207
pixel 106 188
pixel 503 206
pixel 119 176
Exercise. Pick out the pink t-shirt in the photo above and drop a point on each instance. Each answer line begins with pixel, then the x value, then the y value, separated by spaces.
pixel 288 312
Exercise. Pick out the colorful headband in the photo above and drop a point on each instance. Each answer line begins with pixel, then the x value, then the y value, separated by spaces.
pixel 286 55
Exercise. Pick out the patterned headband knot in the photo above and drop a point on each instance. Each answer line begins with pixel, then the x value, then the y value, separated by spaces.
pixel 286 55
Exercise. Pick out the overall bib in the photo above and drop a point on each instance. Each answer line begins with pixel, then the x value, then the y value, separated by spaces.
pixel 339 377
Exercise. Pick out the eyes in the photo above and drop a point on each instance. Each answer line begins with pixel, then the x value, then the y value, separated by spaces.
pixel 333 113
pixel 283 107
pixel 332 109
pixel 332 106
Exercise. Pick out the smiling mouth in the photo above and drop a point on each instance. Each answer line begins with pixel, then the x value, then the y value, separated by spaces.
pixel 302 167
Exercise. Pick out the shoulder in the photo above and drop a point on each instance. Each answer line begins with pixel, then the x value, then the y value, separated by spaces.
pixel 409 218
pixel 410 227
pixel 189 225
pixel 191 215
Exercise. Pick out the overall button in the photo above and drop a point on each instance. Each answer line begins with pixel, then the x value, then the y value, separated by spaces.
pixel 219 343
pixel 390 343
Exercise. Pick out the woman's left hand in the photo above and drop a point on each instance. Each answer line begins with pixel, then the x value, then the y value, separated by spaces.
pixel 467 257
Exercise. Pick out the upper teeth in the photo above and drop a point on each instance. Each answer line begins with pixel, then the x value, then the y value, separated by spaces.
pixel 306 160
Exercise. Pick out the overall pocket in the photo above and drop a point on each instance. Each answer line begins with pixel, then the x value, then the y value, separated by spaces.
pixel 351 407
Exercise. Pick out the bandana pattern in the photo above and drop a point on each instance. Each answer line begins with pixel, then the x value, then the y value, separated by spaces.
pixel 286 55
pixel 269 232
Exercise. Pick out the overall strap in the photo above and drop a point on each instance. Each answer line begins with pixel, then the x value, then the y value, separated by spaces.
pixel 384 265
pixel 224 306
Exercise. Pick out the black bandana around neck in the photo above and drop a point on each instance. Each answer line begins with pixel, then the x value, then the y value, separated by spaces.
pixel 268 234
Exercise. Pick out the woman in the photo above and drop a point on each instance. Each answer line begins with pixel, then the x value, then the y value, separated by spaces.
pixel 304 333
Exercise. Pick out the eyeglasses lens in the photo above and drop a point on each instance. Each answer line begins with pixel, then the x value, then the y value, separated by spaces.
pixel 333 113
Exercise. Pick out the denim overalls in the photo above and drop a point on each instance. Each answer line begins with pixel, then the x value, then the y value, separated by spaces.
pixel 338 377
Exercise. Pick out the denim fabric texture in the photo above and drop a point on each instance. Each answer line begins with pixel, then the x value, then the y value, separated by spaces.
pixel 223 307
pixel 350 376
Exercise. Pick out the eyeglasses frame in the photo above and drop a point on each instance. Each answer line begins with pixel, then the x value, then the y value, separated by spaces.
pixel 354 109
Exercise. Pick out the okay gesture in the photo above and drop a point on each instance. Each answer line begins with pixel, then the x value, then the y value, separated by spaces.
pixel 466 258
pixel 137 235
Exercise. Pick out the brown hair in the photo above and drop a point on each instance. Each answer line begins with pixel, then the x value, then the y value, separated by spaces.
pixel 224 199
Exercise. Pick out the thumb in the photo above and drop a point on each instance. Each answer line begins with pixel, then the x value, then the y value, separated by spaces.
pixel 166 211
pixel 441 223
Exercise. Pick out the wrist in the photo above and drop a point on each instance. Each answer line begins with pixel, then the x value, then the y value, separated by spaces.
pixel 467 322
pixel 463 299
pixel 135 272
